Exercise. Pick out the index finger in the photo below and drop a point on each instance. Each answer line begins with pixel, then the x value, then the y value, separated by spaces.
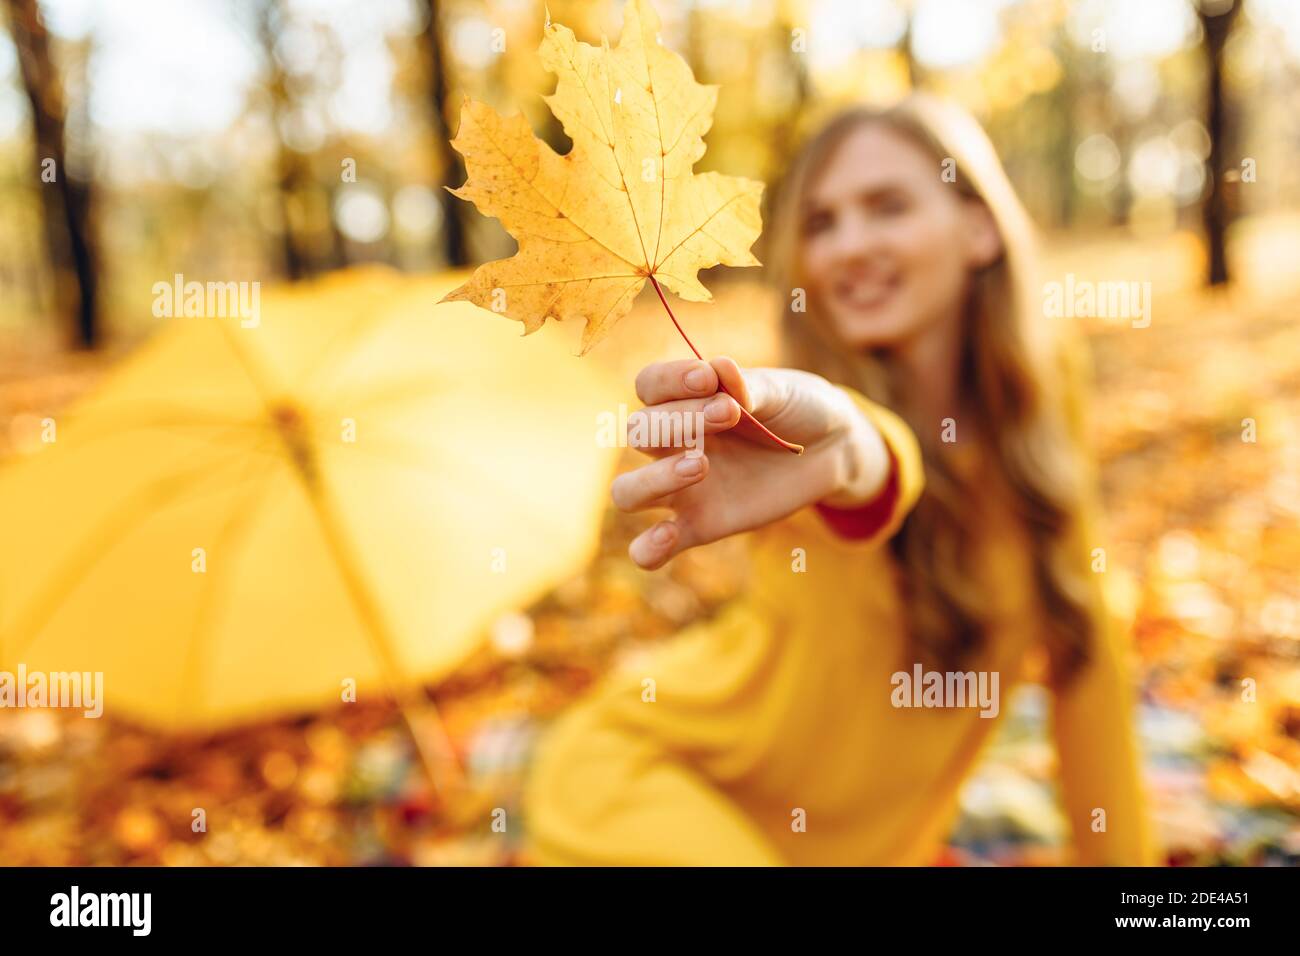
pixel 669 381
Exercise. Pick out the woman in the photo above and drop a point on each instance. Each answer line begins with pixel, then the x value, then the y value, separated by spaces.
pixel 937 524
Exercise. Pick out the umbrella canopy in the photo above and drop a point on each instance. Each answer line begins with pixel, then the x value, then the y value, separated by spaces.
pixel 244 520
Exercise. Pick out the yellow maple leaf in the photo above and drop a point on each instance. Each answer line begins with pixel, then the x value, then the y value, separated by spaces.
pixel 623 205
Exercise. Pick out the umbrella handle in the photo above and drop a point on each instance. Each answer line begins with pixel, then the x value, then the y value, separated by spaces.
pixel 431 742
pixel 437 754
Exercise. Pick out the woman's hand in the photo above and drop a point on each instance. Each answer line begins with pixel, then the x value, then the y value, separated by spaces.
pixel 741 481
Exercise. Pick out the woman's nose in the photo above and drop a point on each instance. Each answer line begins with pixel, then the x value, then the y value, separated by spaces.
pixel 855 238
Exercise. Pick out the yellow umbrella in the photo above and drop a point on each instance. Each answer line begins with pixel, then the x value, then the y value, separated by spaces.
pixel 247 520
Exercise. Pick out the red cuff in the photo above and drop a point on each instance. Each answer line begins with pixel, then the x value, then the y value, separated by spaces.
pixel 859 523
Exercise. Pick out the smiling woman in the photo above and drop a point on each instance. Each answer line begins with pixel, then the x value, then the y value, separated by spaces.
pixel 263 494
pixel 777 733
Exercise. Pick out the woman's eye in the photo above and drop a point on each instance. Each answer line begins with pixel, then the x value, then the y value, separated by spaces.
pixel 892 206
pixel 818 222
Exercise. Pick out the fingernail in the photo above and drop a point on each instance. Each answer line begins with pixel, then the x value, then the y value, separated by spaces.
pixel 662 534
pixel 718 410
pixel 697 379
pixel 687 467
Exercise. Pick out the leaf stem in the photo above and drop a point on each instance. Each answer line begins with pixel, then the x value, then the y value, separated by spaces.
pixel 744 414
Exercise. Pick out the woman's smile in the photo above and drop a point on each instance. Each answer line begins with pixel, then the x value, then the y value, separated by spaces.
pixel 865 291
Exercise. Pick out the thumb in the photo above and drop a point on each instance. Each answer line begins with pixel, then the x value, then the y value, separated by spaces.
pixel 759 393
pixel 732 380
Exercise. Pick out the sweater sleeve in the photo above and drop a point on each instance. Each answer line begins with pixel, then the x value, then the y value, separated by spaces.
pixel 878 519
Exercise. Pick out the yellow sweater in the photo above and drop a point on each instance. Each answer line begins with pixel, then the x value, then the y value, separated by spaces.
pixel 770 735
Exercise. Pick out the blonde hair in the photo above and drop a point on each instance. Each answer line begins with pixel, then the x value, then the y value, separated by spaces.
pixel 1010 377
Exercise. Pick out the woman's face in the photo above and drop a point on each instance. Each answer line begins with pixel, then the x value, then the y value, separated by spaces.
pixel 887 246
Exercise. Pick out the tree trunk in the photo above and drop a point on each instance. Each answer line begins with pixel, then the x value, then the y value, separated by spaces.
pixel 1062 157
pixel 455 247
pixel 909 56
pixel 290 173
pixel 785 135
pixel 66 203
pixel 1216 20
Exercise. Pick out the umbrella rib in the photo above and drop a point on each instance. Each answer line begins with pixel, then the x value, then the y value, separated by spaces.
pixel 353 329
pixel 332 347
pixel 163 414
pixel 229 425
pixel 255 373
pixel 183 417
pixel 94 546
pixel 231 533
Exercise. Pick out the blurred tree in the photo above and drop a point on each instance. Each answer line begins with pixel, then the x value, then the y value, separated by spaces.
pixel 65 201
pixel 909 55
pixel 1217 17
pixel 310 240
pixel 1064 97
pixel 786 134
pixel 455 249
pixel 291 166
